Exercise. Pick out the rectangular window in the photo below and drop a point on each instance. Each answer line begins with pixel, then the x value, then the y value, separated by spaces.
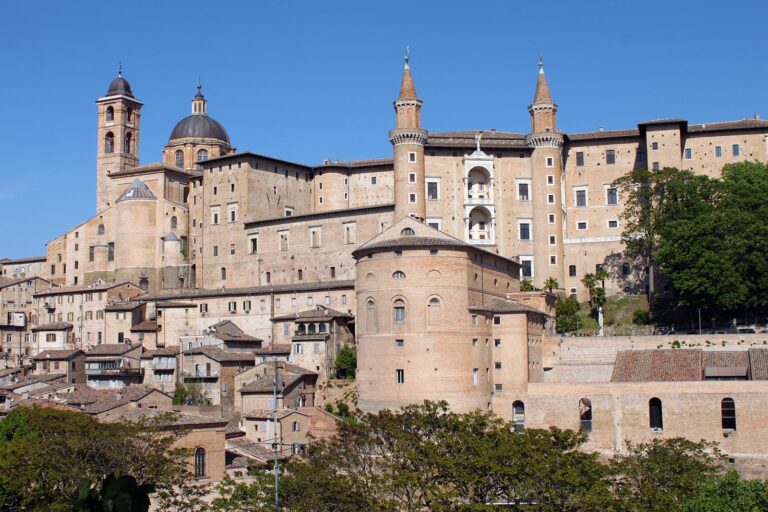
pixel 286 328
pixel 550 198
pixel 91 254
pixel 656 166
pixel 268 277
pixel 411 177
pixel 223 273
pixel 288 211
pixel 434 223
pixel 526 271
pixel 232 307
pixel 655 145
pixel 412 198
pixel 283 236
pixel 215 213
pixel 400 376
pixel 581 224
pixel 373 180
pixel 298 348
pixel 310 301
pixel 522 191
pixel 232 249
pixel 571 270
pixel 552 239
pixel 525 230
pixel 253 244
pixel 718 151
pixel 277 303
pixel 300 274
pixel 736 150
pixel 262 304
pixel 550 161
pixel 327 300
pixel 433 193
pixel 581 197
pixel 343 299
pixel 315 237
pixel 474 319
pixel 551 218
pixel 411 157
pixel 611 196
pixel 497 343
pixel 497 320
pixel 688 153
pixel 610 157
pixel 550 179
pixel 613 223
pixel 215 250
pixel 552 259
pixel 497 365
pixel 349 233
pixel 475 377
pixel 399 343
pixel 497 388
pixel 580 159
pixel 333 272
pixel 232 212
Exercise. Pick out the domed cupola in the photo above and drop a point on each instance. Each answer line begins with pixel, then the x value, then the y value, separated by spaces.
pixel 199 125
pixel 120 87
pixel 196 138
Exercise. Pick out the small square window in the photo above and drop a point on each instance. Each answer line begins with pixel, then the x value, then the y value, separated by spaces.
pixel 399 343
pixel 497 343
pixel 552 239
pixel 655 145
pixel 497 365
pixel 497 388
pixel 496 320
pixel 551 198
pixel 656 166
pixel 474 342
pixel 613 223
pixel 550 180
pixel 412 198
pixel 581 225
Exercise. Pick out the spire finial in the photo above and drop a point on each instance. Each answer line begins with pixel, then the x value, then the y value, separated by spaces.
pixel 407 56
pixel 120 68
pixel 541 63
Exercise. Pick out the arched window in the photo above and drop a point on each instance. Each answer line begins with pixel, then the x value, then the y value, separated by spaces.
pixel 128 138
pixel 129 115
pixel 144 284
pixel 407 232
pixel 174 222
pixel 223 273
pixel 110 114
pixel 370 315
pixel 179 158
pixel 434 312
pixel 585 414
pixel 398 275
pixel 200 463
pixel 312 329
pixel 399 311
pixel 518 415
pixel 302 329
pixel 728 414
pixel 109 142
pixel 202 155
pixel 655 414
pixel 321 328
pixel 100 229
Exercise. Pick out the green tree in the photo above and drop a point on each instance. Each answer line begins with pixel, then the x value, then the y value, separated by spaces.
pixel 189 393
pixel 662 474
pixel 728 494
pixel 526 286
pixel 567 311
pixel 551 283
pixel 116 494
pixel 346 362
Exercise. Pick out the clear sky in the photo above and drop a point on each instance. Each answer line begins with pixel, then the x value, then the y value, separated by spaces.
pixel 304 81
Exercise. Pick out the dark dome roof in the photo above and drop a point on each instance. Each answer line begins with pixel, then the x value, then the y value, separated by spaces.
pixel 199 126
pixel 120 86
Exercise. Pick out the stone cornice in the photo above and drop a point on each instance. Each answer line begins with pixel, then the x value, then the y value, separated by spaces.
pixel 401 136
pixel 544 140
pixel 536 107
pixel 407 103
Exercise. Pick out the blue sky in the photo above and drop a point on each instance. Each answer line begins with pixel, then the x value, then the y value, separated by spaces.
pixel 311 80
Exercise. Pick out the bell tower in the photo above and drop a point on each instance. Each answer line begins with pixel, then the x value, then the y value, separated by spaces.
pixel 409 139
pixel 119 115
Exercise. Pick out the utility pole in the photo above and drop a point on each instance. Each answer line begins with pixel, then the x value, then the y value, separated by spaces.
pixel 275 443
pixel 699 320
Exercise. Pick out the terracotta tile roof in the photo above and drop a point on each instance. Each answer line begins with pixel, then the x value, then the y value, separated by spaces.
pixel 34 379
pixel 253 290
pixel 268 413
pixel 96 401
pixel 319 313
pixel 741 124
pixel 154 167
pixel 174 304
pixel 56 326
pixel 145 326
pixel 178 419
pixel 29 259
pixel 49 355
pixel 724 359
pixel 373 162
pixel 123 306
pixel 112 349
pixel 223 356
pixel 274 349
pixel 5 283
pixel 499 305
pixel 542 94
pixel 466 139
pixel 758 363
pixel 657 365
pixel 252 450
pixel 266 383
pixel 347 212
pixel 227 330
pixel 100 287
pixel 605 134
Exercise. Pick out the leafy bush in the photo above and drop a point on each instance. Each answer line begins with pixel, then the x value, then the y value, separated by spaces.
pixel 641 317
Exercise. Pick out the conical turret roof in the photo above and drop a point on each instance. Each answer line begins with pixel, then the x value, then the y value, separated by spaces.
pixel 407 88
pixel 542 94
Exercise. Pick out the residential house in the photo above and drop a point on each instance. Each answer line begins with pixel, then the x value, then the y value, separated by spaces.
pixel 69 362
pixel 114 365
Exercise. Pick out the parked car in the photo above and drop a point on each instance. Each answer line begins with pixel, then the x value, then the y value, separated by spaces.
pixel 745 330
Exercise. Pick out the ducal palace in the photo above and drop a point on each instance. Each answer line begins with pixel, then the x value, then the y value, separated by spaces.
pixel 212 260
